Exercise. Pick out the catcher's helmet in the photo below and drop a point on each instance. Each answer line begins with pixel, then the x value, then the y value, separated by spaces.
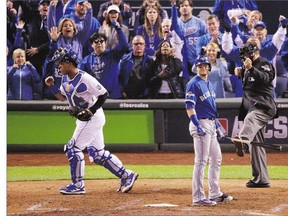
pixel 64 55
pixel 247 50
pixel 202 59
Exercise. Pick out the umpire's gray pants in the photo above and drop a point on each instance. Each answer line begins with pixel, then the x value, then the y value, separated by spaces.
pixel 253 129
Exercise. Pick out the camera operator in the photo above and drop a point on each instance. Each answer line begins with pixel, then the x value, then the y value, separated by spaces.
pixel 257 109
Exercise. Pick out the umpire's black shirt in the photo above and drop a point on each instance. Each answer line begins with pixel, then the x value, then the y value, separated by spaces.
pixel 258 90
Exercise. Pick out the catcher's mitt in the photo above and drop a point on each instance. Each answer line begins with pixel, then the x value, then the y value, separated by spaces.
pixel 80 113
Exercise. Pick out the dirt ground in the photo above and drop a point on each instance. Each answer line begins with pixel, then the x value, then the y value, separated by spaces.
pixel 148 197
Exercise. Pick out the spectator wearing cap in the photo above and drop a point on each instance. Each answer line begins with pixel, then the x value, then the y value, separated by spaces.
pixel 268 47
pixel 78 15
pixel 113 15
pixel 125 10
pixel 66 34
pixel 103 63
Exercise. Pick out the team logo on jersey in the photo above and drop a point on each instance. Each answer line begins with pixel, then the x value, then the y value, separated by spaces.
pixel 190 30
pixel 98 87
pixel 266 67
pixel 67 87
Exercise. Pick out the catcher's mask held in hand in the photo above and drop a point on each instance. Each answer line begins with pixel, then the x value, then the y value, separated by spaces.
pixel 65 55
pixel 247 51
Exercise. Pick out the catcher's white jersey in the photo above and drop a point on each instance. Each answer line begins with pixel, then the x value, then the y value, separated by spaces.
pixel 83 91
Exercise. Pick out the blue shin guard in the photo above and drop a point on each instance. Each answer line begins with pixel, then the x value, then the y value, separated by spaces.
pixel 77 163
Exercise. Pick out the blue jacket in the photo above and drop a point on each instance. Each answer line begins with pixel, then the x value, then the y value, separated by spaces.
pixel 105 67
pixel 21 81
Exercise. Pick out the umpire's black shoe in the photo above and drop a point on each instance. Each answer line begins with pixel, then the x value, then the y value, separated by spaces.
pixel 252 184
pixel 239 147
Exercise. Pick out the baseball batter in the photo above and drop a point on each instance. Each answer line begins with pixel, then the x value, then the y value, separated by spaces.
pixel 86 97
pixel 204 128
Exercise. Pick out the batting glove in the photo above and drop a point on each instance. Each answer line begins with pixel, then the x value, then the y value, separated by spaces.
pixel 201 131
pixel 220 134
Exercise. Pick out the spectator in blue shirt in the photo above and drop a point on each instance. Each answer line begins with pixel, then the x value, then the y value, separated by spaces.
pixel 151 30
pixel 78 15
pixel 103 63
pixel 66 35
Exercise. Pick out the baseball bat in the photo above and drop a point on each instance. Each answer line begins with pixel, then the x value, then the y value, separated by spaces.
pixel 260 144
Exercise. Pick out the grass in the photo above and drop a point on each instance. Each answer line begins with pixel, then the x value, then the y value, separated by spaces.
pixel 41 173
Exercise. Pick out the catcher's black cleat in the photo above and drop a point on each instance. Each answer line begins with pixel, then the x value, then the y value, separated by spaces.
pixel 239 146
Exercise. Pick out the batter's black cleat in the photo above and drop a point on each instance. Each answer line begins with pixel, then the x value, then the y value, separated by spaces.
pixel 223 198
pixel 239 147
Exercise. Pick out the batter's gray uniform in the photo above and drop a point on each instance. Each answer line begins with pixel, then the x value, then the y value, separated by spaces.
pixel 204 126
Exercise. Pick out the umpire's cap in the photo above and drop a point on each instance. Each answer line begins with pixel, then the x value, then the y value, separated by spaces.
pixel 248 49
pixel 64 55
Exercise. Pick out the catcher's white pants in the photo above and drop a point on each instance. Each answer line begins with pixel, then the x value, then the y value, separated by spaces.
pixel 90 133
pixel 206 148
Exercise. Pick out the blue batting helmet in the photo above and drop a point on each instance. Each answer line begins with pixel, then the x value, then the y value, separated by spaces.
pixel 202 60
pixel 64 55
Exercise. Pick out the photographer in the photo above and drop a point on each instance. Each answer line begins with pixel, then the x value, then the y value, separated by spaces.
pixel 257 109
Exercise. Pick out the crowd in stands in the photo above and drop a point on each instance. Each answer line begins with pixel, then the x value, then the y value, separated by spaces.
pixel 153 59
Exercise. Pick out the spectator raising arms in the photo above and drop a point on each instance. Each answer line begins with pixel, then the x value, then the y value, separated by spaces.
pixel 103 63
pixel 78 15
pixel 113 15
pixel 191 28
pixel 66 35
pixel 125 10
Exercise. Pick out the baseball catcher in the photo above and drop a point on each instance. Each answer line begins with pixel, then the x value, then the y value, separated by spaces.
pixel 86 97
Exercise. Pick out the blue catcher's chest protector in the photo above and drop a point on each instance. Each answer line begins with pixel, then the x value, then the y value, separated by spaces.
pixel 72 88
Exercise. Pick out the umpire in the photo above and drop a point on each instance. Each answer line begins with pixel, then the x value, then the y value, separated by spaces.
pixel 257 109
